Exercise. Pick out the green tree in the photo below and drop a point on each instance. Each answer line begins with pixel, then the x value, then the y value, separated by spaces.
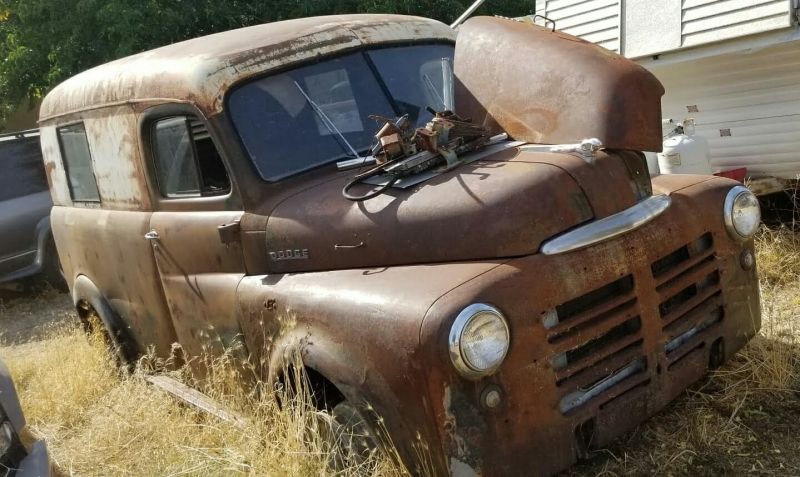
pixel 47 41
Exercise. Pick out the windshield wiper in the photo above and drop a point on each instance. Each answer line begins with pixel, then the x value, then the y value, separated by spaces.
pixel 329 125
pixel 355 162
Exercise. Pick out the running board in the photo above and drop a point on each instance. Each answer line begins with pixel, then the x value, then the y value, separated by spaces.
pixel 197 399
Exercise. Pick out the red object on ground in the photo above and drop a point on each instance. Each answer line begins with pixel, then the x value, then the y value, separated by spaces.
pixel 735 174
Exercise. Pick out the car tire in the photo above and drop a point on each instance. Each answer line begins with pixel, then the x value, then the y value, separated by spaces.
pixel 53 273
pixel 118 348
pixel 351 443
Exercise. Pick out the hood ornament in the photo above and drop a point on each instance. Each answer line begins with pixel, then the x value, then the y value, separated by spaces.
pixel 586 148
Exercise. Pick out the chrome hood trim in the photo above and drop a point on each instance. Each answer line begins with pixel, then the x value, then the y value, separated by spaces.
pixel 609 227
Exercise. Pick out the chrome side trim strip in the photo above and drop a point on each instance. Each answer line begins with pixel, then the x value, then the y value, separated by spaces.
pixel 582 396
pixel 609 227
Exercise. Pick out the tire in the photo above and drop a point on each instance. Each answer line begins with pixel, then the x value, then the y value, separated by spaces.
pixel 119 349
pixel 351 443
pixel 53 273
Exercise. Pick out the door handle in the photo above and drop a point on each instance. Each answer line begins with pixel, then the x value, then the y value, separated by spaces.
pixel 152 235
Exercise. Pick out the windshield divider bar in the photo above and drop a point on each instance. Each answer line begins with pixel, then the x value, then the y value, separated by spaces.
pixel 384 87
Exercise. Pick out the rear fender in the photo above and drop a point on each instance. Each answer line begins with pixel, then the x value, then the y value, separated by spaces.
pixel 85 291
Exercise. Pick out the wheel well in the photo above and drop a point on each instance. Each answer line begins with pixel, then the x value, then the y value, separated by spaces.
pixel 116 339
pixel 85 311
pixel 324 394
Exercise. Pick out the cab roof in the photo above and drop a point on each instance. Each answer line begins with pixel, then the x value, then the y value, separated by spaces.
pixel 200 70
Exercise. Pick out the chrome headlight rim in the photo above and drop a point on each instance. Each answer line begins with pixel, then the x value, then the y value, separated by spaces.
pixel 460 324
pixel 730 201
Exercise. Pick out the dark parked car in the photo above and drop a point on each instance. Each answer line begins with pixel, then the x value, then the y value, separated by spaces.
pixel 20 454
pixel 26 243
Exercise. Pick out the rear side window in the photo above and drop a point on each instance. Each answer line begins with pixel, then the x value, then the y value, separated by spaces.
pixel 78 163
pixel 22 166
pixel 186 161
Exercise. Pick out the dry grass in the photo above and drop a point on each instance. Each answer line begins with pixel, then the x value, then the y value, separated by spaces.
pixel 98 422
pixel 743 419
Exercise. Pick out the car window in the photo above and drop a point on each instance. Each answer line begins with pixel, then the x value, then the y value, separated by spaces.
pixel 23 167
pixel 186 160
pixel 78 163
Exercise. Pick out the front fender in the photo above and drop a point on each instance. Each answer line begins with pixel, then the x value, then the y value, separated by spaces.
pixel 360 329
pixel 350 372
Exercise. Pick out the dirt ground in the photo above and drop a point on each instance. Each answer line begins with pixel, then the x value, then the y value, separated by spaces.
pixel 29 313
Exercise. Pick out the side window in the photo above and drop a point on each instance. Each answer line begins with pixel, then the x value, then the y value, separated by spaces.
pixel 186 161
pixel 78 163
pixel 21 159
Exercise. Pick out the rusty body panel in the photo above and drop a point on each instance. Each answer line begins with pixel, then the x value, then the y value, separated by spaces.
pixel 333 318
pixel 199 281
pixel 511 77
pixel 652 291
pixel 600 338
pixel 526 196
pixel 404 369
pixel 106 246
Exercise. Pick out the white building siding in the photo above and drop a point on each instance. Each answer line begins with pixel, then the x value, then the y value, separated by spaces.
pixel 706 21
pixel 650 27
pixel 747 106
pixel 593 20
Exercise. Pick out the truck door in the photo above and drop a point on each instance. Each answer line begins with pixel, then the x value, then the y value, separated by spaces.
pixel 194 231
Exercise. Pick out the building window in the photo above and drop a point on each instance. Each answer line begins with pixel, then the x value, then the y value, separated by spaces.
pixel 78 163
pixel 186 161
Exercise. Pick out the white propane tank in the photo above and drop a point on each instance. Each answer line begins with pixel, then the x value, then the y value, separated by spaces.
pixel 652 163
pixel 685 153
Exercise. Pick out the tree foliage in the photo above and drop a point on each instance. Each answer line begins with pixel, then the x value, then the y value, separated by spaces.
pixel 47 41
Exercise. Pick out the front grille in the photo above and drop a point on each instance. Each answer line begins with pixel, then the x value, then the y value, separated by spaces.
pixel 596 341
pixel 688 286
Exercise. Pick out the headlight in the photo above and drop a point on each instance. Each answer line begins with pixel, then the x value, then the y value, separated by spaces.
pixel 479 340
pixel 742 213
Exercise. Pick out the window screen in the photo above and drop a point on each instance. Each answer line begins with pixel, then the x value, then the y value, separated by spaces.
pixel 186 161
pixel 23 167
pixel 78 163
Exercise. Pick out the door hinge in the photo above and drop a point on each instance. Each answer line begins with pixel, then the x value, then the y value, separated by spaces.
pixel 230 233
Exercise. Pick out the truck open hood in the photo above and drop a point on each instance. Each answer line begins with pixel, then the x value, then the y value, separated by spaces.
pixel 504 205
pixel 547 87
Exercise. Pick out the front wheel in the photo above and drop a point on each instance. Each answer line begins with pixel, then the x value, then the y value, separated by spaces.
pixel 351 444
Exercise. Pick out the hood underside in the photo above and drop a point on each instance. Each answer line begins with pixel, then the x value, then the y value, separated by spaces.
pixel 547 87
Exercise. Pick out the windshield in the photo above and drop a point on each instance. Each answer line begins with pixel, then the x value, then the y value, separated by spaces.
pixel 292 122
